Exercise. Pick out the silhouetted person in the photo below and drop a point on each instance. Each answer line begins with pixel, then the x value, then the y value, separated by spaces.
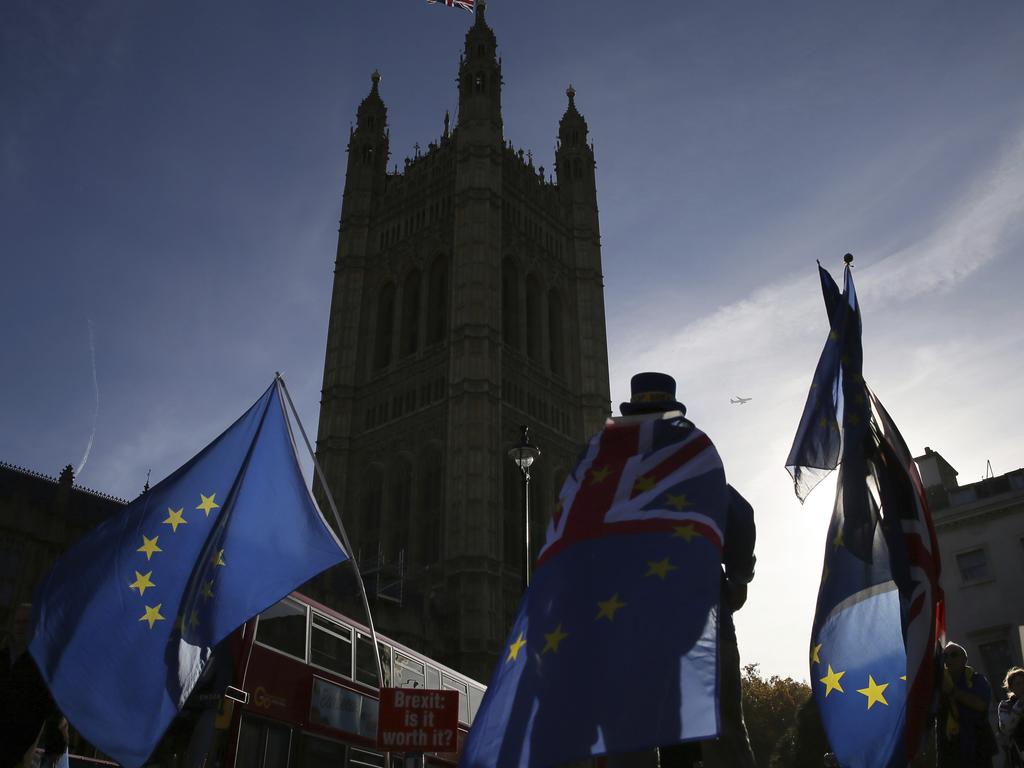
pixel 656 393
pixel 964 738
pixel 1011 717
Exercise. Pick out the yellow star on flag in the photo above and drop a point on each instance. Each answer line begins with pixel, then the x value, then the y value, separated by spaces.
pixel 687 532
pixel 874 692
pixel 598 475
pixel 902 677
pixel 142 582
pixel 207 504
pixel 193 619
pixel 831 681
pixel 218 559
pixel 513 650
pixel 660 568
pixel 179 624
pixel 552 639
pixel 207 590
pixel 678 503
pixel 152 615
pixel 814 654
pixel 609 607
pixel 643 483
pixel 174 518
pixel 838 540
pixel 149 546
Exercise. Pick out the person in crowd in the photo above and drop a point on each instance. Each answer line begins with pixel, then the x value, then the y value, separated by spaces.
pixel 1011 717
pixel 964 738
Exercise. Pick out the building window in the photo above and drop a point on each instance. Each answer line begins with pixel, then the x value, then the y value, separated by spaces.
pixel 283 627
pixel 437 301
pixel 973 565
pixel 410 313
pixel 385 325
pixel 996 658
pixel 510 303
pixel 556 333
pixel 533 318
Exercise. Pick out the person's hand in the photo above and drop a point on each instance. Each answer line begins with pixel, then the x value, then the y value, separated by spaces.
pixel 947 682
pixel 735 594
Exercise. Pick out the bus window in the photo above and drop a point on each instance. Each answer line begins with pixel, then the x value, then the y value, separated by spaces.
pixel 321 753
pixel 433 678
pixel 364 758
pixel 283 627
pixel 366 667
pixel 451 684
pixel 330 645
pixel 409 673
pixel 476 695
pixel 262 744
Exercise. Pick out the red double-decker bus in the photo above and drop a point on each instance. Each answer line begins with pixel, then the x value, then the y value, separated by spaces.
pixel 313 691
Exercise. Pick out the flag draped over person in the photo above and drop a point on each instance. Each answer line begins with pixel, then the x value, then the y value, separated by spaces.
pixel 878 624
pixel 128 618
pixel 614 646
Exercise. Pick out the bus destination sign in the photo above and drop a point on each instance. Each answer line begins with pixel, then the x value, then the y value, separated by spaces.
pixel 418 720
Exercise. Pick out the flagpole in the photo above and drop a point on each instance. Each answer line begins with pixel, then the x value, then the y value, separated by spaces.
pixel 341 528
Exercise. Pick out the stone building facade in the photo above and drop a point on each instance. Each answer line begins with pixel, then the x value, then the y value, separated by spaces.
pixel 980 529
pixel 468 299
pixel 40 516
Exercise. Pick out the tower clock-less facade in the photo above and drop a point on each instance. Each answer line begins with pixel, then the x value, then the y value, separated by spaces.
pixel 468 300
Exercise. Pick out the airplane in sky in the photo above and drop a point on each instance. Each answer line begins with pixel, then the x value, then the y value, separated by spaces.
pixel 739 400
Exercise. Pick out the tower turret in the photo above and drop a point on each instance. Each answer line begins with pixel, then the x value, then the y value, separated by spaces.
pixel 480 82
pixel 574 158
pixel 368 142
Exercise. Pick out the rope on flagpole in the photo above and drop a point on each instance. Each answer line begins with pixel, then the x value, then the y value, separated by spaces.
pixel 341 528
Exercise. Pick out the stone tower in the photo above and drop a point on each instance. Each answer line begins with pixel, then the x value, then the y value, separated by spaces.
pixel 468 300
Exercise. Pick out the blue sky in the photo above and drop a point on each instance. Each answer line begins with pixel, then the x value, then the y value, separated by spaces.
pixel 171 176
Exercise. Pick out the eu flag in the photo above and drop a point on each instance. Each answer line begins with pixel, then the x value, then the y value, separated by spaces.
pixel 878 618
pixel 614 647
pixel 127 619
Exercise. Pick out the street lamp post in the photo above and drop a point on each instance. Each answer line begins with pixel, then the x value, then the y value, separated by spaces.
pixel 524 454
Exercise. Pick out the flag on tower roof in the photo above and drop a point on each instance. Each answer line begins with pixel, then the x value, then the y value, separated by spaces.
pixel 465 4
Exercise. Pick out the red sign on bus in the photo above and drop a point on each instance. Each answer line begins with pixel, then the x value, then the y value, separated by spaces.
pixel 418 720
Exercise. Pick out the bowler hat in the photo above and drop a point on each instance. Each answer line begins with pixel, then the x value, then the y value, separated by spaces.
pixel 652 393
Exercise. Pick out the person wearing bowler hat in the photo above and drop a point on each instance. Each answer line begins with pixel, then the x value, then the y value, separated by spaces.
pixel 654 393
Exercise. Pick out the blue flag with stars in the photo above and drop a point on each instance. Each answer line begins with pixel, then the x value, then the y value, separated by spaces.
pixel 877 617
pixel 615 645
pixel 127 619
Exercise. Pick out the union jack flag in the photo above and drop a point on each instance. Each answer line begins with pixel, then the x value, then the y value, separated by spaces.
pixel 464 4
pixel 640 475
pixel 631 569
pixel 878 621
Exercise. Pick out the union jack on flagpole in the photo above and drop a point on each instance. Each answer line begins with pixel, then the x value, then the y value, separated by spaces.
pixel 879 620
pixel 464 4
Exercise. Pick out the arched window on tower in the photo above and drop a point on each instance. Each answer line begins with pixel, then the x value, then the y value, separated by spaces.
pixel 556 333
pixel 410 314
pixel 399 515
pixel 385 325
pixel 480 82
pixel 437 300
pixel 510 303
pixel 367 533
pixel 428 525
pixel 533 318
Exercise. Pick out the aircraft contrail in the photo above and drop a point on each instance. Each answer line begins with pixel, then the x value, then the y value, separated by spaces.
pixel 96 413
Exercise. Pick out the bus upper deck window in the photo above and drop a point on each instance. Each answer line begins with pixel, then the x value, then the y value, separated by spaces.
pixel 330 645
pixel 283 627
